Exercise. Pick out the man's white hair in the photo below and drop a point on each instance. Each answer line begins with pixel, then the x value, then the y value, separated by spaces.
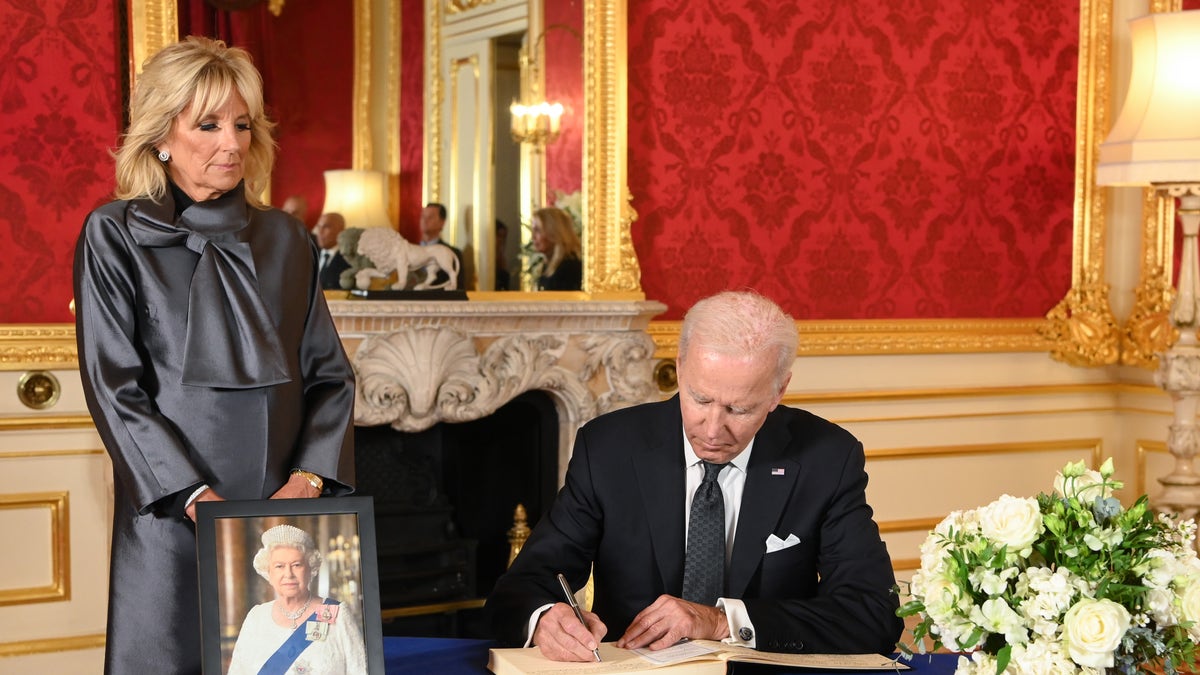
pixel 288 536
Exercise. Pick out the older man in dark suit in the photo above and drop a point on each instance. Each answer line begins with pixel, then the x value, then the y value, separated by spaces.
pixel 800 566
pixel 330 263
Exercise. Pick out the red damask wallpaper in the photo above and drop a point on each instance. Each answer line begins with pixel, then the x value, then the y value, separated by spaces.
pixel 874 160
pixel 60 113
pixel 564 84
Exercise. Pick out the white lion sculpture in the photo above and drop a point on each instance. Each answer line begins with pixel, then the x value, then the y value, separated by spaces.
pixel 390 252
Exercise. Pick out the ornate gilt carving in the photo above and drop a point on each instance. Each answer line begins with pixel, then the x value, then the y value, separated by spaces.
pixel 1081 329
pixel 38 347
pixel 1148 331
pixel 457 6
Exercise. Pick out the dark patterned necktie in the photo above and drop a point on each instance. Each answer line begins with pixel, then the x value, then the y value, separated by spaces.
pixel 704 561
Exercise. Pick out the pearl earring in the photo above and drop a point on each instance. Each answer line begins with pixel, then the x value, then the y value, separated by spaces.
pixel 164 155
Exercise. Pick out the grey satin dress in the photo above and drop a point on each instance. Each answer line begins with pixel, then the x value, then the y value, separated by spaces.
pixel 207 355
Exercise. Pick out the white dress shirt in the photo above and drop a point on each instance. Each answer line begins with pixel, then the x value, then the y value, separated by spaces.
pixel 733 482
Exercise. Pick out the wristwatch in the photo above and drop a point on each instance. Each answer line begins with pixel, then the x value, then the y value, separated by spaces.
pixel 312 478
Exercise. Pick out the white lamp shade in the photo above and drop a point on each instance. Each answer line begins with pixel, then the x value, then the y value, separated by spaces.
pixel 360 196
pixel 1156 138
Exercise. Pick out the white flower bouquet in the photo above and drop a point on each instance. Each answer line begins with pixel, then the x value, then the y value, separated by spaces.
pixel 1069 582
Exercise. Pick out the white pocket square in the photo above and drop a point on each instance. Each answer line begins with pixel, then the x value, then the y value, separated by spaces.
pixel 776 544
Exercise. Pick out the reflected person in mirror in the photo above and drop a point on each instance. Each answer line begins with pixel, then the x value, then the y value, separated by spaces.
pixel 718 514
pixel 433 221
pixel 297 206
pixel 209 361
pixel 552 234
pixel 330 263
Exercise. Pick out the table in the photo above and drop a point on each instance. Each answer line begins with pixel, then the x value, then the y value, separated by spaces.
pixel 451 656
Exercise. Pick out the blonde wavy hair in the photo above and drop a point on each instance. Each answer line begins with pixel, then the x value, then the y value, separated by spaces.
pixel 560 230
pixel 204 74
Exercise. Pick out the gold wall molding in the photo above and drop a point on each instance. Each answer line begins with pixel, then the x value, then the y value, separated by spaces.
pixel 48 454
pixel 361 146
pixel 1021 391
pixel 610 260
pixel 911 336
pixel 1140 472
pixel 1081 329
pixel 922 525
pixel 59 587
pixel 38 347
pixel 44 422
pixel 52 645
pixel 154 24
pixel 1094 447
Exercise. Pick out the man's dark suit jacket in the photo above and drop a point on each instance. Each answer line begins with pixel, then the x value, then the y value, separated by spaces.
pixel 622 506
pixel 329 277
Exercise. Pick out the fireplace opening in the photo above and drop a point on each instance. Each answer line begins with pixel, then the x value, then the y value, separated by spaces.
pixel 444 502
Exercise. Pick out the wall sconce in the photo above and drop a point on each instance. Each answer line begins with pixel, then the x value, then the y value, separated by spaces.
pixel 1156 142
pixel 539 123
pixel 360 196
pixel 536 121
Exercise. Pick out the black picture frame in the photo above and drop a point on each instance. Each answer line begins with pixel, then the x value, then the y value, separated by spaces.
pixel 228 535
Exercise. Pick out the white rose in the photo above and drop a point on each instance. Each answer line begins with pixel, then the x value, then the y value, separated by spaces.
pixel 1189 598
pixel 1086 487
pixel 1092 630
pixel 1011 521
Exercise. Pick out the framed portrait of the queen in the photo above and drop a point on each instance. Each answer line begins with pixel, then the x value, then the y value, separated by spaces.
pixel 289 585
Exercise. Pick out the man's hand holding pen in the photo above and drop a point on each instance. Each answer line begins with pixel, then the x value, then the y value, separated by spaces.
pixel 561 637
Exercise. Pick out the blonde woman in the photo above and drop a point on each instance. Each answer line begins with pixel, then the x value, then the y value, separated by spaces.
pixel 553 235
pixel 209 361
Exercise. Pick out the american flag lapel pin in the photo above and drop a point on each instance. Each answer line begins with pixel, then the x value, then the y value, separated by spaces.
pixel 777 472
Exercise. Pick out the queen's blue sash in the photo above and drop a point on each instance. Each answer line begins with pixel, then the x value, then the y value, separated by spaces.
pixel 285 656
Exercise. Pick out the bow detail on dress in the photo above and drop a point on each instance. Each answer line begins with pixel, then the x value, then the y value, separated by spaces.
pixel 231 341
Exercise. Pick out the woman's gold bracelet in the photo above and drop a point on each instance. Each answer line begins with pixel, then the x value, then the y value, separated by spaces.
pixel 312 478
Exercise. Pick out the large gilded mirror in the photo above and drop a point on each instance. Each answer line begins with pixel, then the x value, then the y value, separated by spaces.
pixel 610 264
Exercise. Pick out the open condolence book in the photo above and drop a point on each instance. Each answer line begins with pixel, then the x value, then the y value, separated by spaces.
pixel 698 657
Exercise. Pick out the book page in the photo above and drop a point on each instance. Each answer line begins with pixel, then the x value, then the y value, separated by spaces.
pixel 697 657
pixel 813 661
pixel 529 661
pixel 680 651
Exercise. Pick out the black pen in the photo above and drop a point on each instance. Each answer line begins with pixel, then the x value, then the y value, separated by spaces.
pixel 575 607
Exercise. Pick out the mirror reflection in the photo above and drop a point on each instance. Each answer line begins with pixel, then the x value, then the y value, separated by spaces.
pixel 461 153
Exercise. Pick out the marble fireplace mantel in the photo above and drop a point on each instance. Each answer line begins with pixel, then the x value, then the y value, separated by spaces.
pixel 423 362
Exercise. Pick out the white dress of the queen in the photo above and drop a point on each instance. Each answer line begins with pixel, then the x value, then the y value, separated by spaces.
pixel 337 650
